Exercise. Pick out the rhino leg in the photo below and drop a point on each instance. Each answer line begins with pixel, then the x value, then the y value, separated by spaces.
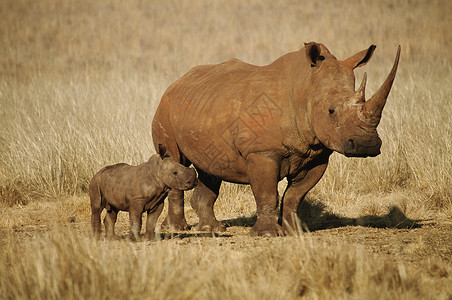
pixel 135 218
pixel 109 222
pixel 175 220
pixel 295 192
pixel 151 221
pixel 95 222
pixel 263 173
pixel 202 201
pixel 97 206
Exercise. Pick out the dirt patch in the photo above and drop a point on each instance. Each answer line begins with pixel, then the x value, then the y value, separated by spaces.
pixel 418 243
pixel 394 259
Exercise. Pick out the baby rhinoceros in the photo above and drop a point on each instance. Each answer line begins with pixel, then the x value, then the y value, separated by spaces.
pixel 136 189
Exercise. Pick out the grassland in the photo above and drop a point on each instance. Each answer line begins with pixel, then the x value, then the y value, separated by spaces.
pixel 79 84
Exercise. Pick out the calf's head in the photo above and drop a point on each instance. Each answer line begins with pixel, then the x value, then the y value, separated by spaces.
pixel 175 175
pixel 340 117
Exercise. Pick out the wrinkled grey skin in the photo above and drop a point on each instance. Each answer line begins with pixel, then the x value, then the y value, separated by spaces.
pixel 136 189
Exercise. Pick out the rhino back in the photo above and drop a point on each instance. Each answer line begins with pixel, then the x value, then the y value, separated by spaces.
pixel 218 114
pixel 120 184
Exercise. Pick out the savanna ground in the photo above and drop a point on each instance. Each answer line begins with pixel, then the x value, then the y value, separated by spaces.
pixel 79 83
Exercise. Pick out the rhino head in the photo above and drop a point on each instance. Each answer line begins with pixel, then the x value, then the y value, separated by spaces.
pixel 173 174
pixel 340 117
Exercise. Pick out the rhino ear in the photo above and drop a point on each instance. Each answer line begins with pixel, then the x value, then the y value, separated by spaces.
pixel 313 54
pixel 360 58
pixel 162 151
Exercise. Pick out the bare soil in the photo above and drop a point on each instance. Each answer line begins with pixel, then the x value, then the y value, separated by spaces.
pixel 419 244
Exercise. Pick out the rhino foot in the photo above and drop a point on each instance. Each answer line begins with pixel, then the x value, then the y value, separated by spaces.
pixel 150 236
pixel 213 226
pixel 266 229
pixel 175 225
pixel 112 237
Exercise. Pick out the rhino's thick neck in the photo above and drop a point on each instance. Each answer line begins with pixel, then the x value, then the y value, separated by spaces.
pixel 298 76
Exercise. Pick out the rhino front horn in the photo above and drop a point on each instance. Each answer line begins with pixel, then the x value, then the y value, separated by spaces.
pixel 374 106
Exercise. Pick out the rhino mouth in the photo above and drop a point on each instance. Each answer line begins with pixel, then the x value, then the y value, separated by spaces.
pixel 362 149
pixel 190 184
pixel 362 154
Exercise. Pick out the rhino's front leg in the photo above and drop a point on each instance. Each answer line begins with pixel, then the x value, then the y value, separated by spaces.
pixel 263 173
pixel 151 221
pixel 296 189
pixel 135 214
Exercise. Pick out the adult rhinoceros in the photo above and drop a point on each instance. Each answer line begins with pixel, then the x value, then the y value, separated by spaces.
pixel 259 124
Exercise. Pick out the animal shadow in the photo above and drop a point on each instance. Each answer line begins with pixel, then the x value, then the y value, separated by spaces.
pixel 241 221
pixel 170 236
pixel 184 235
pixel 315 216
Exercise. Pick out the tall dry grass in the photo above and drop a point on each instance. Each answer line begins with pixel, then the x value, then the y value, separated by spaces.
pixel 80 82
pixel 64 265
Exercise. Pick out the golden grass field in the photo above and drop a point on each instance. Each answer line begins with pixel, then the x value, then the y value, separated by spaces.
pixel 79 84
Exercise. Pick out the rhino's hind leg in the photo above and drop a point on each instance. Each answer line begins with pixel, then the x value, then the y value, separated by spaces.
pixel 95 221
pixel 97 206
pixel 175 219
pixel 202 201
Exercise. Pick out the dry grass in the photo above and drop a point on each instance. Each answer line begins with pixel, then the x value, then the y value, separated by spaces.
pixel 64 265
pixel 80 81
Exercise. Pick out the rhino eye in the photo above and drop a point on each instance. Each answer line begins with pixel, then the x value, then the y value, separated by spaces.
pixel 331 111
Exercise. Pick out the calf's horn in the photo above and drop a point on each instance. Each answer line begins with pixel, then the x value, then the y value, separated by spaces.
pixel 374 106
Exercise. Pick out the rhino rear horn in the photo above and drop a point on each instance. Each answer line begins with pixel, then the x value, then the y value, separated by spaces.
pixel 360 96
pixel 374 106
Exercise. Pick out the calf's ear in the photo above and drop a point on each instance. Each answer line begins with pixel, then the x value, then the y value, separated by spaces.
pixel 162 151
pixel 360 58
pixel 313 54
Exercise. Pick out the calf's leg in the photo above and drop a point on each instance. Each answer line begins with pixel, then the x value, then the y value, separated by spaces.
pixel 151 221
pixel 109 222
pixel 97 206
pixel 135 213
